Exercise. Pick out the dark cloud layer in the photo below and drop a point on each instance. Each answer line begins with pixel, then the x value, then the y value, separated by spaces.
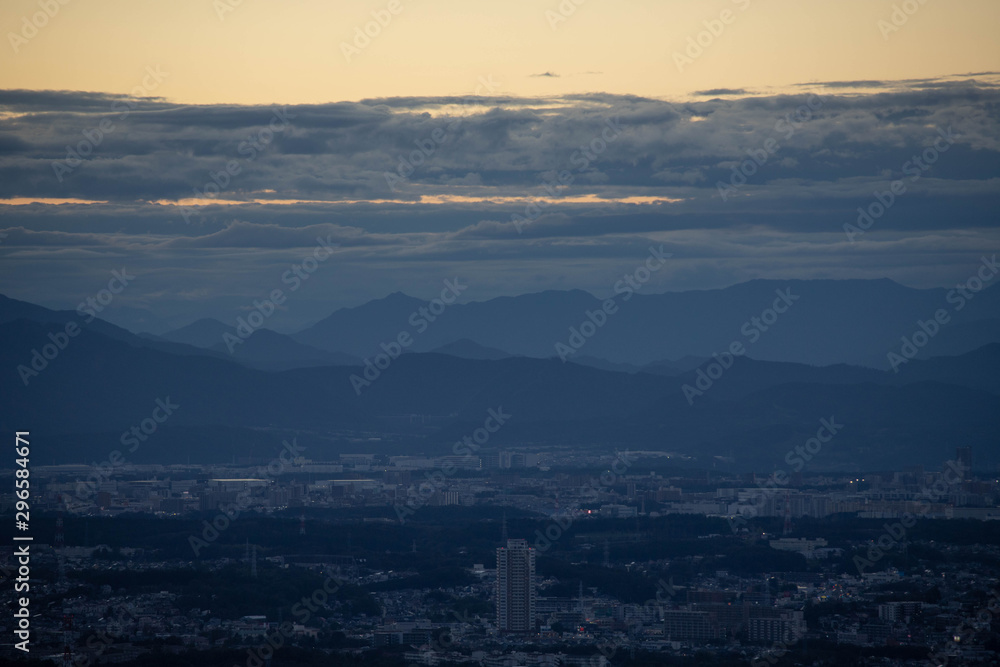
pixel 343 151
pixel 827 153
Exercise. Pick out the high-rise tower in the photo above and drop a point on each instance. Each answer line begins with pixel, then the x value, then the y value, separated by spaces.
pixel 516 587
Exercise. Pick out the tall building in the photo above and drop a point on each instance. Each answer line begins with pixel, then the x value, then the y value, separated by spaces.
pixel 516 587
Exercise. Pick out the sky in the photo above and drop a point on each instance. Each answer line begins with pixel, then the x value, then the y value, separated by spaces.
pixel 290 51
pixel 526 145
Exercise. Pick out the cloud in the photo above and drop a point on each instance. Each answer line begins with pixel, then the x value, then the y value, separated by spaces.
pixel 713 92
pixel 483 164
pixel 861 83
pixel 66 100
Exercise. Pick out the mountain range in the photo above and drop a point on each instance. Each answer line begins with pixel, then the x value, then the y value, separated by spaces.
pixel 747 409
pixel 824 322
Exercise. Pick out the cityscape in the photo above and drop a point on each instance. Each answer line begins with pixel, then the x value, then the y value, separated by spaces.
pixel 515 558
pixel 540 333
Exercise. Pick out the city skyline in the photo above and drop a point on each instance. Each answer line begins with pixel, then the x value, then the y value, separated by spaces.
pixel 525 334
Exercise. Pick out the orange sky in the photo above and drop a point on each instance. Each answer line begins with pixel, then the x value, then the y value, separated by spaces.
pixel 264 51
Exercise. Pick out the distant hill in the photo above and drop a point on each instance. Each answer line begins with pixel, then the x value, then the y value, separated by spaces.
pixel 605 365
pixel 957 338
pixel 676 367
pixel 12 310
pixel 755 413
pixel 263 349
pixel 467 349
pixel 139 320
pixel 358 331
pixel 973 370
pixel 976 369
pixel 270 350
pixel 205 333
pixel 824 322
